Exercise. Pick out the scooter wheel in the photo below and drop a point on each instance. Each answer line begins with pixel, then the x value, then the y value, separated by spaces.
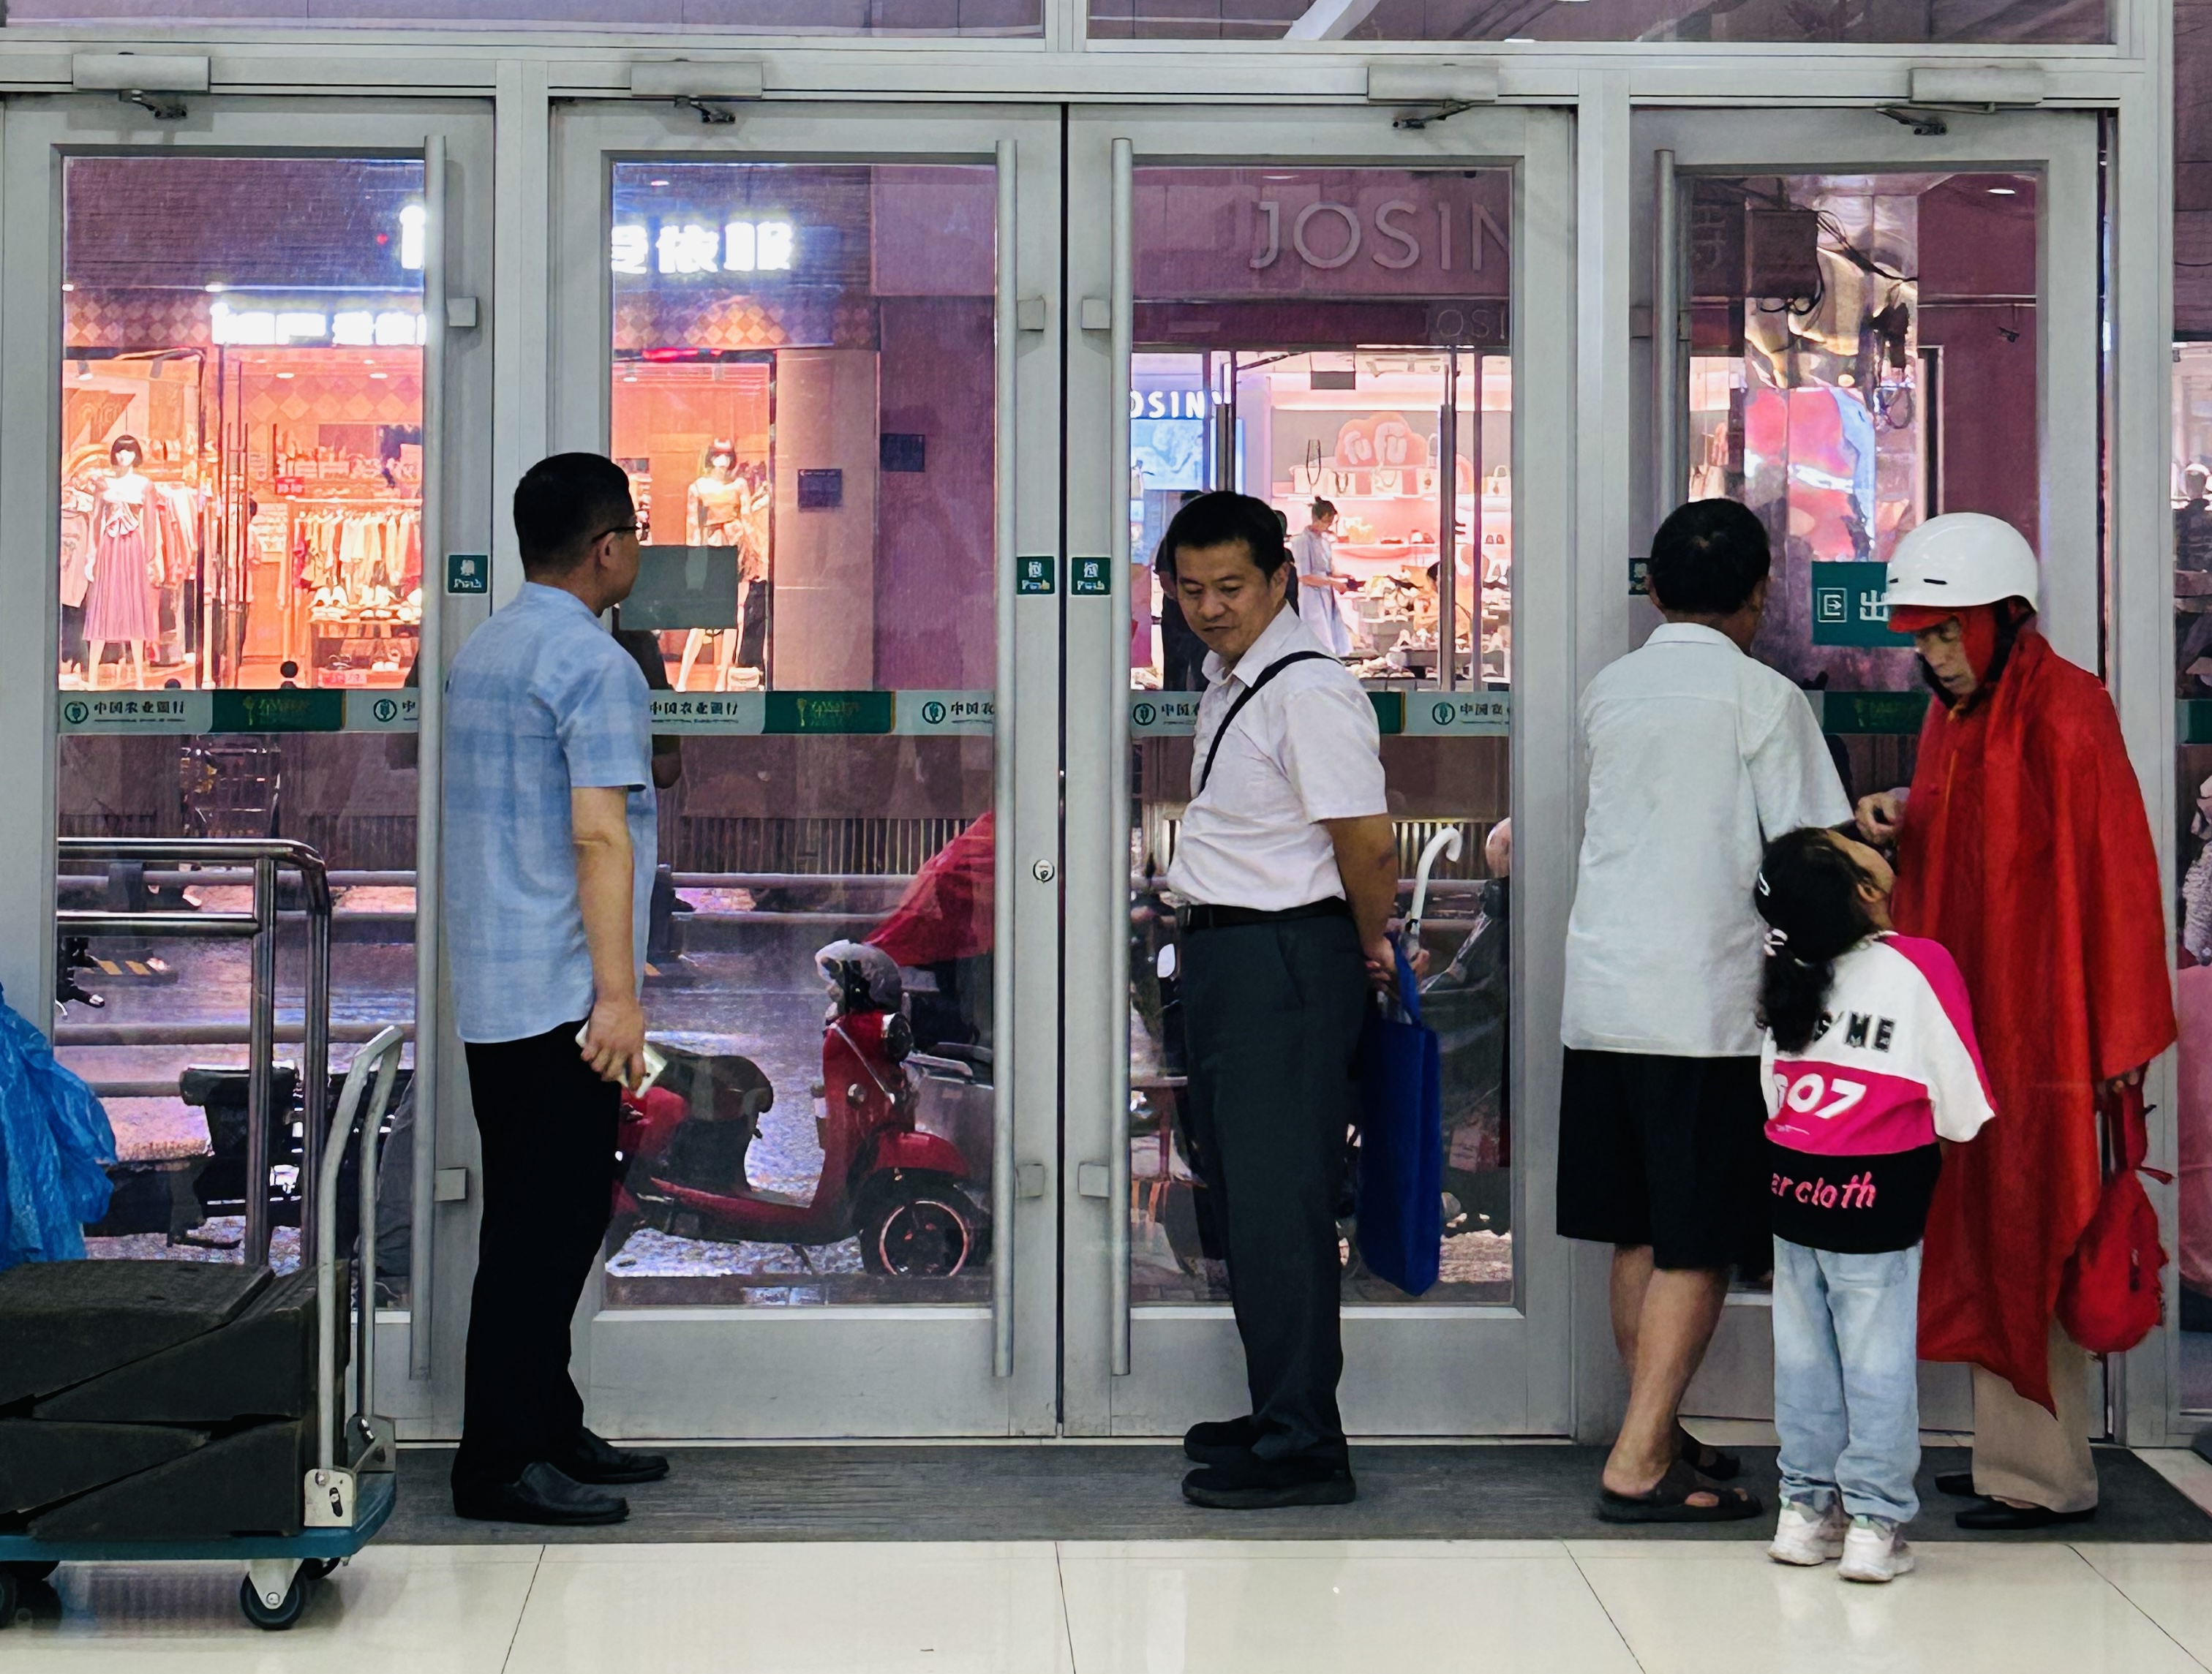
pixel 917 1229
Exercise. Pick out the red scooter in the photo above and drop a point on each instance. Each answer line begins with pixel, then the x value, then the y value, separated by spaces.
pixel 902 1192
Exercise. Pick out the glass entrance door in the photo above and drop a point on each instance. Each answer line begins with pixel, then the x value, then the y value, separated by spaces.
pixel 1376 342
pixel 231 383
pixel 1855 327
pixel 817 342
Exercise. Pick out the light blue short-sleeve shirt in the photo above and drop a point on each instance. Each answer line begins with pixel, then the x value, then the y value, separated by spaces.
pixel 539 702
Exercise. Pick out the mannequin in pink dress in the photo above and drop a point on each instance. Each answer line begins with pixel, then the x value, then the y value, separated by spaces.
pixel 118 600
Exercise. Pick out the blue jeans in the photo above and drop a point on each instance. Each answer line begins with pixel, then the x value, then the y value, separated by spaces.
pixel 1846 1382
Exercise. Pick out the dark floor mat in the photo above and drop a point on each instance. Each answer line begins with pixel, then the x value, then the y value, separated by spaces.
pixel 1078 1492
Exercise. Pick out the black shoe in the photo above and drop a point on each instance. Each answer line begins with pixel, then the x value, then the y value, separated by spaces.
pixel 1225 1441
pixel 603 1463
pixel 540 1495
pixel 1259 1484
pixel 1997 1514
pixel 1959 1484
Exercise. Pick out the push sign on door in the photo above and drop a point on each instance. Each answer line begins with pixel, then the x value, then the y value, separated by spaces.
pixel 1848 608
pixel 468 573
pixel 1033 575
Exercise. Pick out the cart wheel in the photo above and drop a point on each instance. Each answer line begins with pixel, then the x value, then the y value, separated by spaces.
pixel 285 1614
pixel 33 1572
pixel 7 1599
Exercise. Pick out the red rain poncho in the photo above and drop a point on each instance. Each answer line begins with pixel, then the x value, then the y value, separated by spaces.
pixel 2027 853
pixel 946 912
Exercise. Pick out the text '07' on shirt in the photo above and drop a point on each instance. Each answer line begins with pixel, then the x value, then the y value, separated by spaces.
pixel 1697 755
pixel 539 702
pixel 1853 1119
pixel 1306 748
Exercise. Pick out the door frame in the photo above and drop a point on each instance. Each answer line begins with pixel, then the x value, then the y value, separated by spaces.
pixel 2060 148
pixel 715 1372
pixel 1443 1370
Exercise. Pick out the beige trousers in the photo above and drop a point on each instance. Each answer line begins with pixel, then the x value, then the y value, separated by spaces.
pixel 2020 1452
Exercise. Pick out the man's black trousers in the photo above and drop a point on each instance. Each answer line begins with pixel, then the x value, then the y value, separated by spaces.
pixel 548 1128
pixel 1271 1018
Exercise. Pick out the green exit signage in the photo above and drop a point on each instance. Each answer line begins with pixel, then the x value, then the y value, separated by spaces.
pixel 1848 608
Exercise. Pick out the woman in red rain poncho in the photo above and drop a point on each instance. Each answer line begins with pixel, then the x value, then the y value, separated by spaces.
pixel 2023 848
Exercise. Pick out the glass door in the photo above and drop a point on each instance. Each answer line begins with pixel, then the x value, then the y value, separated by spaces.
pixel 819 343
pixel 230 382
pixel 1370 327
pixel 1856 326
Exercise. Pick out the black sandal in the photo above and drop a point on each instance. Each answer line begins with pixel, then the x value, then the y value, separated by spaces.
pixel 1712 1462
pixel 1669 1502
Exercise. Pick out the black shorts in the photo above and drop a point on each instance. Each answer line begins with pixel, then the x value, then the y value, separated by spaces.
pixel 1669 1152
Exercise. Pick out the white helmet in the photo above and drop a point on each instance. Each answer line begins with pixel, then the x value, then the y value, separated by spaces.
pixel 1962 558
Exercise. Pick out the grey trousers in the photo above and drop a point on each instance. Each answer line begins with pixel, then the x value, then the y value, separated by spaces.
pixel 1271 1018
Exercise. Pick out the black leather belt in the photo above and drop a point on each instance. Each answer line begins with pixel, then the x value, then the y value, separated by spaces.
pixel 1195 917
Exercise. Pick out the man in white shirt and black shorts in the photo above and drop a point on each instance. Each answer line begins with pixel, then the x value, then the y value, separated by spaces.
pixel 1287 872
pixel 1696 755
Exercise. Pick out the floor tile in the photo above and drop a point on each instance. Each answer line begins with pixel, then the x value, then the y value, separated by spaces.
pixel 878 1605
pixel 2172 1584
pixel 1300 1608
pixel 394 1610
pixel 1971 1608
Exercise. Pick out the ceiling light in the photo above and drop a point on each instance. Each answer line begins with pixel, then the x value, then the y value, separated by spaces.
pixel 284 375
pixel 2002 192
pixel 656 183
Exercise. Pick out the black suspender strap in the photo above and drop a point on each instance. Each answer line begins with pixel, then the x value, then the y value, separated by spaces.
pixel 1248 694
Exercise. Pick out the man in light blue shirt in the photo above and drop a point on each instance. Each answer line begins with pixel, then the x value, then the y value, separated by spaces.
pixel 549 849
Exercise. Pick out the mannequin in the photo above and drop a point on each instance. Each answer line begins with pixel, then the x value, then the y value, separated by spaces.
pixel 715 506
pixel 118 600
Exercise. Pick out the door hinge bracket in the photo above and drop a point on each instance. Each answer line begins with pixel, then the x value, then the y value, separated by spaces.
pixel 714 115
pixel 1414 121
pixel 166 107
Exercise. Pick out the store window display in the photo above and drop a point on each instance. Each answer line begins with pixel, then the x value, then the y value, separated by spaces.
pixel 2192 634
pixel 240 400
pixel 802 384
pixel 1337 343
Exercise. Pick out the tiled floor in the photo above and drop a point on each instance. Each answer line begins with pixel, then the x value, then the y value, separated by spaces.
pixel 1212 1607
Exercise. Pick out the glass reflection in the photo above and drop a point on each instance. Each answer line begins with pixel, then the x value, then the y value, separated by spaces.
pixel 2192 603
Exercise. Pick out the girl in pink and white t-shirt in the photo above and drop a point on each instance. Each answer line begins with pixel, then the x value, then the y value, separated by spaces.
pixel 1869 1059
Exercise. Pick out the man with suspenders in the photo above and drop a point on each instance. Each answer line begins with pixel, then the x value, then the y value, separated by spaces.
pixel 1287 871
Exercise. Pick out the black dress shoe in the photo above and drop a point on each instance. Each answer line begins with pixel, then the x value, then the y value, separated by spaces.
pixel 1997 1514
pixel 1260 1484
pixel 1224 1441
pixel 602 1463
pixel 1959 1484
pixel 540 1495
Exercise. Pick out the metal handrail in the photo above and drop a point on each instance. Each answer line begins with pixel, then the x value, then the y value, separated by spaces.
pixel 266 856
pixel 381 1055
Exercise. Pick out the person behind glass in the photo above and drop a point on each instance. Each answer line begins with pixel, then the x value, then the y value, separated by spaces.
pixel 1287 871
pixel 1869 1059
pixel 1312 549
pixel 1694 752
pixel 550 851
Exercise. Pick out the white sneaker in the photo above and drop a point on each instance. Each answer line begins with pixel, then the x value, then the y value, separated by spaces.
pixel 1874 1552
pixel 1801 1537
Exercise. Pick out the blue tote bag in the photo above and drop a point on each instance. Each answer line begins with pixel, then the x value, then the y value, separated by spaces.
pixel 1402 1141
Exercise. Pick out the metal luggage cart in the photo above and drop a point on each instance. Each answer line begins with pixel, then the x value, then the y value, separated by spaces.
pixel 349 1494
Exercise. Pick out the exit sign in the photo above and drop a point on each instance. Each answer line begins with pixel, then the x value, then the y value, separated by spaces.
pixel 1848 608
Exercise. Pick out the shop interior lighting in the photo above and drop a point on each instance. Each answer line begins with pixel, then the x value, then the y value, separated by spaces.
pixel 414 222
pixel 215 288
pixel 67 286
pixel 2002 192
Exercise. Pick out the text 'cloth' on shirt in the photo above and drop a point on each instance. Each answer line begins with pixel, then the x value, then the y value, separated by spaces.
pixel 1853 1119
pixel 1697 754
pixel 1305 750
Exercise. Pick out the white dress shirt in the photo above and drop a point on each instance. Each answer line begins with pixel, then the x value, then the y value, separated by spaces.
pixel 1305 750
pixel 1697 755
